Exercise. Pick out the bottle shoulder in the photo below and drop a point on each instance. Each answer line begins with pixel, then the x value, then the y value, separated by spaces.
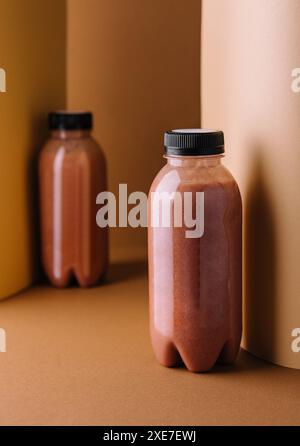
pixel 172 178
pixel 71 147
pixel 70 153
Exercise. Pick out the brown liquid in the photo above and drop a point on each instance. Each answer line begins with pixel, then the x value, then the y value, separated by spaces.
pixel 196 283
pixel 72 172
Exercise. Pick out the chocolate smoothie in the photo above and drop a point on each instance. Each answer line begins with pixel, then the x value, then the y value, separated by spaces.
pixel 72 172
pixel 196 283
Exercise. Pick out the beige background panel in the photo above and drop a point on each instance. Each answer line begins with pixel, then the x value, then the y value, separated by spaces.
pixel 34 59
pixel 249 49
pixel 136 65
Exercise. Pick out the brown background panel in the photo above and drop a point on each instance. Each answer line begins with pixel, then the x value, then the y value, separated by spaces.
pixel 136 65
pixel 34 58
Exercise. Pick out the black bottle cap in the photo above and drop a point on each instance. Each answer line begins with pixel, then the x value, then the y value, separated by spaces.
pixel 65 120
pixel 194 142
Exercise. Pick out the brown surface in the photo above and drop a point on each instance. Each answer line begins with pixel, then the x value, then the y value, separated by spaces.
pixel 136 65
pixel 84 356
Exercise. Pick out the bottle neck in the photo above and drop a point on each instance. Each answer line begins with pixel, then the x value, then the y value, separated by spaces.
pixel 194 161
pixel 70 134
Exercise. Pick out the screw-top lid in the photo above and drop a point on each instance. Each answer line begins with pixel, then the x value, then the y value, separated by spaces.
pixel 194 142
pixel 65 120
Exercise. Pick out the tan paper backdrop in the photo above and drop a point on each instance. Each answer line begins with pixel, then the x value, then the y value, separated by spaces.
pixel 32 52
pixel 136 65
pixel 249 49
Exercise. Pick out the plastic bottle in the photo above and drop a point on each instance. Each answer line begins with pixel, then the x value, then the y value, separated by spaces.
pixel 72 171
pixel 195 278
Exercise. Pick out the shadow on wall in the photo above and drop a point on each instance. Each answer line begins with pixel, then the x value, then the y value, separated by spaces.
pixel 39 135
pixel 260 265
pixel 123 271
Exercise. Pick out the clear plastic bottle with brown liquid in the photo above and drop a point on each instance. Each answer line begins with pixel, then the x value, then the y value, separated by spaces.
pixel 72 171
pixel 196 282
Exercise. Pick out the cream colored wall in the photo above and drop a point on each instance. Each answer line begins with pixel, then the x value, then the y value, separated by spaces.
pixel 249 49
pixel 136 65
pixel 32 52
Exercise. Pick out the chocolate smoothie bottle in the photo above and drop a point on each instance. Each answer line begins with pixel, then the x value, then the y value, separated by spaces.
pixel 195 278
pixel 72 171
